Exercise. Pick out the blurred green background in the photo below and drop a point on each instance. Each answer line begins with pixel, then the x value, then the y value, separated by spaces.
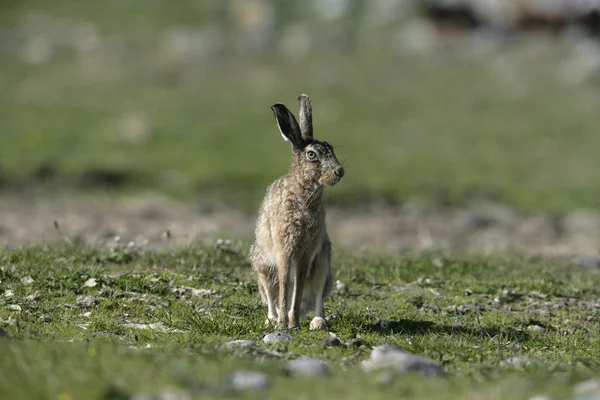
pixel 174 97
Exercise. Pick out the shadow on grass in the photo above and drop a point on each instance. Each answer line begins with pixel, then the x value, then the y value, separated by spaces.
pixel 408 326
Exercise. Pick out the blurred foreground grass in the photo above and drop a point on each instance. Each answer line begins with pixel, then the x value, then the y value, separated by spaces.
pixel 117 109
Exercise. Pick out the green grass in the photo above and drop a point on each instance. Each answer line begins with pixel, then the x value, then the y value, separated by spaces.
pixel 438 128
pixel 64 346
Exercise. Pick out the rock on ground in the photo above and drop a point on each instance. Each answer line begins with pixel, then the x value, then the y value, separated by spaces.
pixel 306 366
pixel 277 337
pixel 244 380
pixel 240 343
pixel 391 357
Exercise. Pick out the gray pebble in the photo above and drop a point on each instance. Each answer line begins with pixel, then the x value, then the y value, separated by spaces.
pixel 591 386
pixel 243 380
pixel 537 329
pixel 14 307
pixel 341 286
pixel 87 302
pixel 306 366
pixel 240 343
pixel 391 357
pixel 277 337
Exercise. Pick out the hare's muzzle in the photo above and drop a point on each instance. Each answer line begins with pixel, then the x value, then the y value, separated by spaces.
pixel 339 172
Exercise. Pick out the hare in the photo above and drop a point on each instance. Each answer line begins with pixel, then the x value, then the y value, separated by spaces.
pixel 291 254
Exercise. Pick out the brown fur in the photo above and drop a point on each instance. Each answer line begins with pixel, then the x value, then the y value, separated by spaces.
pixel 292 250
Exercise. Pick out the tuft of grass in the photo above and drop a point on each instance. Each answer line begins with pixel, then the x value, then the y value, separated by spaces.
pixel 93 325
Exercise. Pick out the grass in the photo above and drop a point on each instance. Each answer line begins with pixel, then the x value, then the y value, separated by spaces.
pixel 436 128
pixel 74 338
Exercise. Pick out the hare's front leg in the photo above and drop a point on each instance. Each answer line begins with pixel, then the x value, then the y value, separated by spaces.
pixel 298 280
pixel 322 285
pixel 284 265
pixel 267 286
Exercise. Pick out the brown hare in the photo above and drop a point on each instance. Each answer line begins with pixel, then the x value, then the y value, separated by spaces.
pixel 291 253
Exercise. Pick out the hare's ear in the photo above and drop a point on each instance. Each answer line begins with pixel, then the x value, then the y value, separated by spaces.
pixel 288 126
pixel 305 114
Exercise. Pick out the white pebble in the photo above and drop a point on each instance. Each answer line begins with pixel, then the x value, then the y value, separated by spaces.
pixel 307 366
pixel 240 343
pixel 242 380
pixel 277 337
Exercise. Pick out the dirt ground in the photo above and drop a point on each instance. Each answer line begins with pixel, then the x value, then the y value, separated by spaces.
pixel 147 218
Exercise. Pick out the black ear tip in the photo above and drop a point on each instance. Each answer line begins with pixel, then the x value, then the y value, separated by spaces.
pixel 278 106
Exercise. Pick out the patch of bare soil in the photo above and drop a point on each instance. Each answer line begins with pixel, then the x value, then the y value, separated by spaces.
pixel 486 229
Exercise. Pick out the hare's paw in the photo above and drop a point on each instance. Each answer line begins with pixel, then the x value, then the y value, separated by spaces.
pixel 294 320
pixel 282 322
pixel 271 321
pixel 318 324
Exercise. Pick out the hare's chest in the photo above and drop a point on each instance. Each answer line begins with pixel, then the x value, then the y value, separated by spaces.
pixel 306 221
pixel 303 226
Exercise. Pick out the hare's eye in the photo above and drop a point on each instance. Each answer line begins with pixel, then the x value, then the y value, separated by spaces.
pixel 311 155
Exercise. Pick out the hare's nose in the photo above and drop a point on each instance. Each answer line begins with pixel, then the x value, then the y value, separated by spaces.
pixel 339 171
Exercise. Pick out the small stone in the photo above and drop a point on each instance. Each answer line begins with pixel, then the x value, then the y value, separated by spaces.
pixel 240 343
pixel 277 337
pixel 591 386
pixel 391 357
pixel 4 334
pixel 333 340
pixel 182 290
pixel 14 307
pixel 32 297
pixel 306 366
pixel 243 380
pixel 87 302
pixel 537 329
pixel 90 283
pixel 45 318
pixel 340 286
pixel 27 280
pixel 9 293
